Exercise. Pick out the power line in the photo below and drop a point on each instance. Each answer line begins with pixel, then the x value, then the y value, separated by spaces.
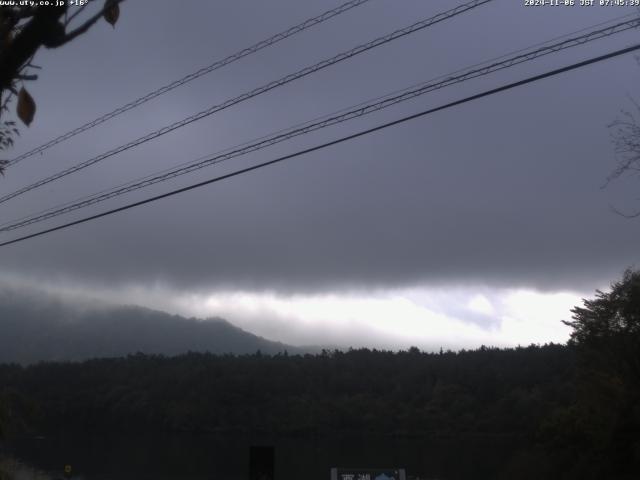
pixel 333 142
pixel 258 91
pixel 311 22
pixel 326 121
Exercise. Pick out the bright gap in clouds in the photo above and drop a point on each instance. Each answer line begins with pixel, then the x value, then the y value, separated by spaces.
pixel 427 318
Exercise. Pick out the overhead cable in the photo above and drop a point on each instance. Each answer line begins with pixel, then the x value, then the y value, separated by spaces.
pixel 324 122
pixel 311 22
pixel 253 93
pixel 471 98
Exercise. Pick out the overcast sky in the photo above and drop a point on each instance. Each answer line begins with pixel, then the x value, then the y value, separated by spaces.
pixel 481 224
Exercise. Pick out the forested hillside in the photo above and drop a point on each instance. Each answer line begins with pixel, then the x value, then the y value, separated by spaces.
pixel 44 328
pixel 484 391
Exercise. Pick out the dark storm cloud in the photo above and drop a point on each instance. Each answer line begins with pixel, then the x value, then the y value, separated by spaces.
pixel 503 191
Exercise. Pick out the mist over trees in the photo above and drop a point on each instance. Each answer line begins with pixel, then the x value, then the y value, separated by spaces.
pixel 40 328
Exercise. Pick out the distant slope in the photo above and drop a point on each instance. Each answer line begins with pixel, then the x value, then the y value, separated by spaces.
pixel 38 327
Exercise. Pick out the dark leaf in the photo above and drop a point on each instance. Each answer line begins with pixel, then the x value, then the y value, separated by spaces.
pixel 26 108
pixel 111 14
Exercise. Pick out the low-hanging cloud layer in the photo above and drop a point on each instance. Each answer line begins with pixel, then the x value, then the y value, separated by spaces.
pixel 429 318
pixel 502 193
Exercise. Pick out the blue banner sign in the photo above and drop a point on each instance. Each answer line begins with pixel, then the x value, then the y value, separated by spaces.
pixel 368 474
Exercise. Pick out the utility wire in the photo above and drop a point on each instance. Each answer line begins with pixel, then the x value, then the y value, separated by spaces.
pixel 335 142
pixel 323 122
pixel 380 97
pixel 258 91
pixel 311 22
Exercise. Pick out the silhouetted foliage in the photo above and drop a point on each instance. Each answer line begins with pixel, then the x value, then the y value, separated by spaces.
pixel 601 431
pixel 611 316
pixel 24 28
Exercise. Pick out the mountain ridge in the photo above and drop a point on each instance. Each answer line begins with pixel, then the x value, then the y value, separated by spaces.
pixel 35 328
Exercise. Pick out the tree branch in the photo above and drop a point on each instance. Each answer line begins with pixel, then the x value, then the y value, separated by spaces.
pixel 40 30
pixel 77 12
pixel 622 214
pixel 89 23
pixel 27 77
pixel 43 29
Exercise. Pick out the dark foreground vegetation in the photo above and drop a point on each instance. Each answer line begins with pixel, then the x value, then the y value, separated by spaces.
pixel 575 409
